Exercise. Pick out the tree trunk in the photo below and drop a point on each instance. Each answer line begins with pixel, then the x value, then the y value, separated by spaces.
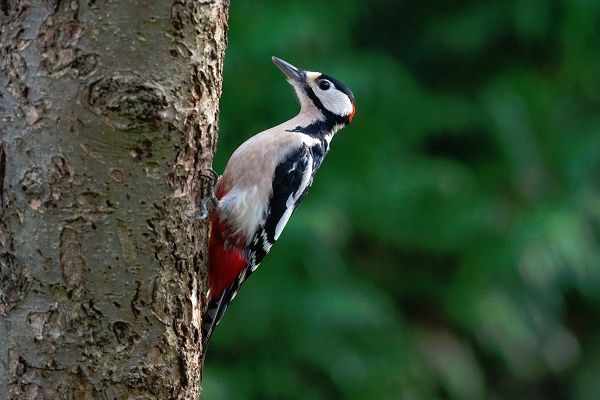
pixel 108 115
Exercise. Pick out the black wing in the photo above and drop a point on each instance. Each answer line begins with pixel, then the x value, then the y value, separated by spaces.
pixel 293 176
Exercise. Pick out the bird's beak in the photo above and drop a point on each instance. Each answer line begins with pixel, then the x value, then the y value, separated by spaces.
pixel 293 74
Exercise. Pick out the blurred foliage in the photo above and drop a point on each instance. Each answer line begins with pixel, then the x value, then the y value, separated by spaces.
pixel 449 246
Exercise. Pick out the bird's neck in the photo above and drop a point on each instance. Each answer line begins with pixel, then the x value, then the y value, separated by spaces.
pixel 313 122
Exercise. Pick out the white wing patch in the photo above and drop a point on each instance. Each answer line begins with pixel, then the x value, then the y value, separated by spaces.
pixel 293 199
pixel 266 244
pixel 285 217
pixel 254 267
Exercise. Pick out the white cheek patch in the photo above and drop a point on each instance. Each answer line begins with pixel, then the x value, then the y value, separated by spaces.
pixel 335 101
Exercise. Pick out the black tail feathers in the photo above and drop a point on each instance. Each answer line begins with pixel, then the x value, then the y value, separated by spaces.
pixel 212 316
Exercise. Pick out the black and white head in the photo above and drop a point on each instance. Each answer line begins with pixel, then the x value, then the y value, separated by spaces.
pixel 321 94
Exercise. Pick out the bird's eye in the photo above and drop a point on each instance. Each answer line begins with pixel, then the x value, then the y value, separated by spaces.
pixel 324 84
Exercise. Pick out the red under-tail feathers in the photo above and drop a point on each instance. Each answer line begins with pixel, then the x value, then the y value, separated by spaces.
pixel 226 261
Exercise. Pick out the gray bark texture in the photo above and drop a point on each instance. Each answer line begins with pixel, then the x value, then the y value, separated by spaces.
pixel 108 116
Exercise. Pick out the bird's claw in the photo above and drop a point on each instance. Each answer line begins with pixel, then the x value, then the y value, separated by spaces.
pixel 212 176
pixel 209 202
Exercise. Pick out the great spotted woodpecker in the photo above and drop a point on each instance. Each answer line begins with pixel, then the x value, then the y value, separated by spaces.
pixel 264 181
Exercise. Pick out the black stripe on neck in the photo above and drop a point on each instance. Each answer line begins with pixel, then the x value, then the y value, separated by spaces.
pixel 320 128
pixel 316 129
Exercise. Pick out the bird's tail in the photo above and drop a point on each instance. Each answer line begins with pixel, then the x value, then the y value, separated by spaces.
pixel 212 316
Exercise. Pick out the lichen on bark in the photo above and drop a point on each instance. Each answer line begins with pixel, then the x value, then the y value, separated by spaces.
pixel 108 116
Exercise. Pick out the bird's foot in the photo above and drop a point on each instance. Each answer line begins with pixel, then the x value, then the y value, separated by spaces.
pixel 207 206
pixel 209 202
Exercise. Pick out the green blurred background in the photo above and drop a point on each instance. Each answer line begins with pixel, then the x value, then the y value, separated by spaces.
pixel 449 246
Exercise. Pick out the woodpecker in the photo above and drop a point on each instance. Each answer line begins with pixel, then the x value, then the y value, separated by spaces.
pixel 264 181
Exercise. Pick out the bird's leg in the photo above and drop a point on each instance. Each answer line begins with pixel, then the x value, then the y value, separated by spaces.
pixel 209 202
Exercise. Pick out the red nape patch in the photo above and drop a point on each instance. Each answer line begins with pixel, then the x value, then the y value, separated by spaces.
pixel 224 265
pixel 351 116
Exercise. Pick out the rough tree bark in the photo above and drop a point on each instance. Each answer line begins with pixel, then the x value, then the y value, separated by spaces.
pixel 108 114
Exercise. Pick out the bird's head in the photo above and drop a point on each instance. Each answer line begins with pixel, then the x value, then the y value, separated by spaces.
pixel 318 93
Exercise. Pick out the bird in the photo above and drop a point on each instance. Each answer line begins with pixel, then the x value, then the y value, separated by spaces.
pixel 264 181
